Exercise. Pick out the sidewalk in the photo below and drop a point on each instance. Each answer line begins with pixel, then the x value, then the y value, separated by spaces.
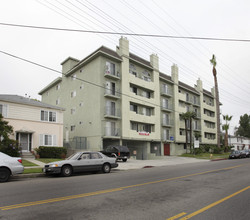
pixel 133 164
pixel 168 161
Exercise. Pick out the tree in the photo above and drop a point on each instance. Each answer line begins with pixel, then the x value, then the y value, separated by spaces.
pixel 225 128
pixel 5 129
pixel 187 117
pixel 214 63
pixel 244 128
pixel 7 145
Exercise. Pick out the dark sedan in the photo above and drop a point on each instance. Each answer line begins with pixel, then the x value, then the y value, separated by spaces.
pixel 236 154
pixel 80 162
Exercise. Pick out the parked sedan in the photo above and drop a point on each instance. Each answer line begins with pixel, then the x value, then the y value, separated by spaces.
pixel 247 151
pixel 80 162
pixel 9 166
pixel 236 154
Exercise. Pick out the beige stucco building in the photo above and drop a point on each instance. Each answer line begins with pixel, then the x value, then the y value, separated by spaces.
pixel 116 97
pixel 34 123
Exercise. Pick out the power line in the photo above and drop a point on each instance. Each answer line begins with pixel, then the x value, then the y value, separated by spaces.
pixel 82 80
pixel 127 34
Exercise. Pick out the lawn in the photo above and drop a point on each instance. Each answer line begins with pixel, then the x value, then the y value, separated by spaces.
pixel 32 170
pixel 48 160
pixel 207 156
pixel 27 163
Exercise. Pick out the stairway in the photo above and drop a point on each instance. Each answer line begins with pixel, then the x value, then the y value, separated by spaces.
pixel 27 155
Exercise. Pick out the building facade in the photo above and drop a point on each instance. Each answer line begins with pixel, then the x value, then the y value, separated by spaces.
pixel 34 123
pixel 116 97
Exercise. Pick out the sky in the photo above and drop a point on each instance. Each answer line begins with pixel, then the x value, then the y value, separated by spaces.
pixel 209 19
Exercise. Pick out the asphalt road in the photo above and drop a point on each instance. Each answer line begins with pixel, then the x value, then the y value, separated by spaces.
pixel 208 190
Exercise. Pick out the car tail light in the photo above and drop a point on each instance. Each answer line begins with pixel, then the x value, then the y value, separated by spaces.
pixel 119 153
pixel 20 160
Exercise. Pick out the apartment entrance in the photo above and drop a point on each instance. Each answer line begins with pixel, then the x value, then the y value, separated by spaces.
pixel 24 140
pixel 166 149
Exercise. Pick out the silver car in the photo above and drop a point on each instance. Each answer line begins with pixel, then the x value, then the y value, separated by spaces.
pixel 80 162
pixel 9 166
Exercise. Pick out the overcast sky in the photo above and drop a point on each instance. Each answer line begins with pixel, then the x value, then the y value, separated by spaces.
pixel 213 19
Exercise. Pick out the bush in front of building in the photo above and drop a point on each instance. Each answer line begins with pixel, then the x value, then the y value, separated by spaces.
pixel 51 152
pixel 207 148
pixel 10 147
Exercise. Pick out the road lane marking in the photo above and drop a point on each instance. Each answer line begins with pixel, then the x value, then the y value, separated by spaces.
pixel 107 191
pixel 214 204
pixel 177 216
pixel 58 199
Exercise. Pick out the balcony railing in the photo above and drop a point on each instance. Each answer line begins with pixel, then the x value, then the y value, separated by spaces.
pixel 166 92
pixel 112 112
pixel 112 92
pixel 110 131
pixel 167 123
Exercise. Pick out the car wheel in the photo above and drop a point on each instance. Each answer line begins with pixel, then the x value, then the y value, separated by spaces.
pixel 66 171
pixel 124 160
pixel 4 174
pixel 106 168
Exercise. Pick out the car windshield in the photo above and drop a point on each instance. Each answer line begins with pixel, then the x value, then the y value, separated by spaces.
pixel 73 156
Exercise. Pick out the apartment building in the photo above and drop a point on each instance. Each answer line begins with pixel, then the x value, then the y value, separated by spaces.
pixel 116 97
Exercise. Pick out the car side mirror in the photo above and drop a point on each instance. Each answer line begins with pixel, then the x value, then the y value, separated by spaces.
pixel 79 158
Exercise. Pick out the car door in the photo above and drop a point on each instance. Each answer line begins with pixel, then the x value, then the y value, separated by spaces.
pixel 96 161
pixel 82 163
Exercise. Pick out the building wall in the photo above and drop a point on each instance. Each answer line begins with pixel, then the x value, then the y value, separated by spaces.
pixel 27 118
pixel 87 111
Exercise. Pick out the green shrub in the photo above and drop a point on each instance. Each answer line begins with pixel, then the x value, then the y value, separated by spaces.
pixel 51 152
pixel 10 147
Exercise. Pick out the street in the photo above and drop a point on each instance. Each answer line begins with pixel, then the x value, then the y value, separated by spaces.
pixel 207 190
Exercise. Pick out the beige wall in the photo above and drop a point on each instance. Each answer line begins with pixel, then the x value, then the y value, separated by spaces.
pixel 27 118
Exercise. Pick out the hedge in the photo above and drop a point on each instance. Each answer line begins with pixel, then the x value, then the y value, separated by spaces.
pixel 10 147
pixel 51 152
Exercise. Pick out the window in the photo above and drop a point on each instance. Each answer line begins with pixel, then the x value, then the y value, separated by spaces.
pixel 110 68
pixel 164 103
pixel 73 94
pixel 134 126
pixel 72 128
pixel 44 115
pixel 146 76
pixel 133 89
pixel 57 101
pixel 96 156
pixel 82 86
pixel 134 108
pixel 47 140
pixel 146 94
pixel 48 116
pixel 73 111
pixel 73 77
pixel 3 110
pixel 58 86
pixel 132 69
pixel 165 88
pixel 81 104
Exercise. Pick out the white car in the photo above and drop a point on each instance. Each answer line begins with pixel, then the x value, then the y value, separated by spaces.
pixel 9 166
pixel 80 162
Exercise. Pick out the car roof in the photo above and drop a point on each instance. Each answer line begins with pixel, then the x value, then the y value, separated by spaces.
pixel 120 148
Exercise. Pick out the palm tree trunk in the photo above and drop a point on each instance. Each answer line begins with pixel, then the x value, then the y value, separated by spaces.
pixel 186 130
pixel 217 106
pixel 190 134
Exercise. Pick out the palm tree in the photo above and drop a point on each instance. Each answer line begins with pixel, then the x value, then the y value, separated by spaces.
pixel 184 116
pixel 225 127
pixel 192 115
pixel 213 62
pixel 187 117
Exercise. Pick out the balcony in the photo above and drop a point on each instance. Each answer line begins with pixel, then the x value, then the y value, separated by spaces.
pixel 112 74
pixel 112 93
pixel 113 113
pixel 166 92
pixel 110 132
pixel 167 108
pixel 168 137
pixel 167 123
